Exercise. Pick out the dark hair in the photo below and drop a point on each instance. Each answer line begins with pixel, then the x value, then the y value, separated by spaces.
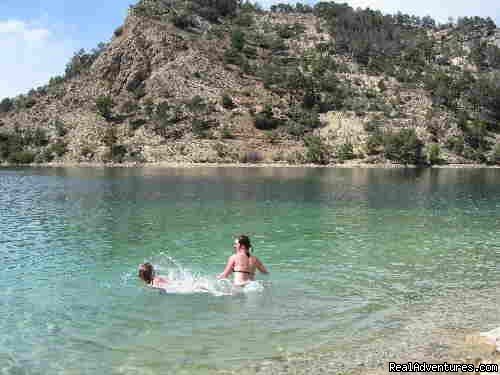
pixel 245 241
pixel 147 272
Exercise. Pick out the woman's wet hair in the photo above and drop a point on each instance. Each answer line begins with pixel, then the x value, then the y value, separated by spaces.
pixel 245 241
pixel 147 272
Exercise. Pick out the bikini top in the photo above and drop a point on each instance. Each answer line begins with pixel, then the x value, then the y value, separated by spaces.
pixel 241 271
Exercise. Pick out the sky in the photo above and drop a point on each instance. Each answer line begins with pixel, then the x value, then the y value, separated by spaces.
pixel 38 37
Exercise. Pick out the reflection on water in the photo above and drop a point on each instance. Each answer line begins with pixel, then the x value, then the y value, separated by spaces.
pixel 354 254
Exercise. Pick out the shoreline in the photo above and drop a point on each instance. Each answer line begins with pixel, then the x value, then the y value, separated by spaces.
pixel 345 165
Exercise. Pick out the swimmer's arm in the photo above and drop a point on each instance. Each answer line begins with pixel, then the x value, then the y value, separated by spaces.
pixel 228 270
pixel 160 282
pixel 261 267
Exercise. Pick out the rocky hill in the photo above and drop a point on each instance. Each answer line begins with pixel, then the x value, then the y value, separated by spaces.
pixel 220 81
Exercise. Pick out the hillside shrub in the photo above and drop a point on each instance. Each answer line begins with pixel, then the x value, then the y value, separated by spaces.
pixel 345 152
pixel 183 20
pixel 137 123
pixel 476 135
pixel 82 61
pixel 197 104
pixel 317 151
pixel 6 105
pixel 262 122
pixel 244 19
pixel 201 128
pixel 104 105
pixel 375 143
pixel 24 102
pixel 237 40
pixel 227 102
pixel 434 154
pixel 295 129
pixel 21 157
pixel 117 153
pixel 403 147
pixel 58 148
pixel 265 120
pixel 10 143
pixel 226 133
pixel 118 31
pixel 495 157
pixel 37 137
pixel 455 144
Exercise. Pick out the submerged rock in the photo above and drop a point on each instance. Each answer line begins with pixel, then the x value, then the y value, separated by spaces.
pixel 492 337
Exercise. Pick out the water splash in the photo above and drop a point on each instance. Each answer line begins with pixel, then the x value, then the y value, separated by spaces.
pixel 183 280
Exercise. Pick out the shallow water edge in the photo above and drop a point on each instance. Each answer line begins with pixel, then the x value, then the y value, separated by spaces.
pixel 347 164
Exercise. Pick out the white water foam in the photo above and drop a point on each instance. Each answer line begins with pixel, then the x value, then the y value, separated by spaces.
pixel 183 280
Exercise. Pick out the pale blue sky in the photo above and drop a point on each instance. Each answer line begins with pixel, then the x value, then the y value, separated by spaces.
pixel 38 37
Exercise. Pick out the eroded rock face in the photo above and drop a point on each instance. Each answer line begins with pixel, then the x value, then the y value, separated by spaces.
pixel 151 62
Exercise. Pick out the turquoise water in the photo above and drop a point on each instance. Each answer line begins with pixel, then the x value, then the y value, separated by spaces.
pixel 347 250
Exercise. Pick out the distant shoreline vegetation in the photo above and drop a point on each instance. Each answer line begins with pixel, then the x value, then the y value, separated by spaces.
pixel 455 64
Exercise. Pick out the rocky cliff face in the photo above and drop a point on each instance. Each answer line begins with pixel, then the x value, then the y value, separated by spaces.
pixel 166 87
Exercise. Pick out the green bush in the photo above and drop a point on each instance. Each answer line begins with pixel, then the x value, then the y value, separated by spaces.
pixel 403 147
pixel 129 107
pixel 118 31
pixel 9 144
pixel 6 105
pixel 137 123
pixel 273 136
pixel 345 152
pixel 265 120
pixel 262 122
pixel 201 128
pixel 381 85
pixel 233 57
pixel 222 150
pixel 21 157
pixel 227 102
pixel 82 61
pixel 24 102
pixel 434 154
pixel 317 151
pixel 118 152
pixel 296 130
pixel 58 148
pixel 60 127
pixel 183 20
pixel 375 143
pixel 237 40
pixel 476 135
pixel 250 52
pixel 40 137
pixel 244 19
pixel 226 133
pixel 104 105
pixel 373 125
pixel 495 158
pixel 455 144
pixel 44 156
pixel 197 104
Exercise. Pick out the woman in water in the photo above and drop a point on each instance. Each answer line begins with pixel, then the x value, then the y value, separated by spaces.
pixel 242 263
pixel 147 274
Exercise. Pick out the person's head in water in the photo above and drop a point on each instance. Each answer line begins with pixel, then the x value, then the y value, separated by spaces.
pixel 243 242
pixel 146 272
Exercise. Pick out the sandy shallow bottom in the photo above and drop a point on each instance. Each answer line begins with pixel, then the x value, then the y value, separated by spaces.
pixel 448 332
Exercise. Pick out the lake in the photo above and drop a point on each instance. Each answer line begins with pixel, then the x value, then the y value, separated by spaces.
pixel 359 260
